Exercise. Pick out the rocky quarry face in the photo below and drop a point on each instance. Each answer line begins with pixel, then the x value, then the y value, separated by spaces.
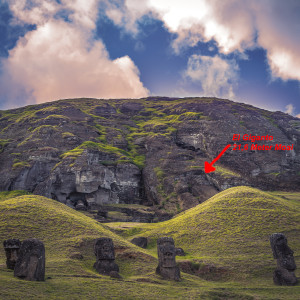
pixel 90 153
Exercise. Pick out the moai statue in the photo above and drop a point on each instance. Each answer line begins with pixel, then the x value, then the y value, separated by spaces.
pixel 284 273
pixel 11 247
pixel 105 253
pixel 167 267
pixel 31 261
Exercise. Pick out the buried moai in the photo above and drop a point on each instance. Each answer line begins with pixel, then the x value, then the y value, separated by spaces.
pixel 30 264
pixel 167 267
pixel 11 247
pixel 284 273
pixel 105 253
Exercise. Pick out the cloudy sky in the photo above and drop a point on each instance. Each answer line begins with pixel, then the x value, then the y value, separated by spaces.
pixel 243 50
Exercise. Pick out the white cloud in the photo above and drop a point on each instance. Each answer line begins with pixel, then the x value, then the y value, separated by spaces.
pixel 60 59
pixel 278 26
pixel 298 116
pixel 216 75
pixel 289 109
pixel 233 24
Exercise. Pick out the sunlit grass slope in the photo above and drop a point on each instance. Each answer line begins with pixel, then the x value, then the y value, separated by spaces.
pixel 63 230
pixel 232 229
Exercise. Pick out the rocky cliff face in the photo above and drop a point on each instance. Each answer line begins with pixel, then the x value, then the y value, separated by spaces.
pixel 89 152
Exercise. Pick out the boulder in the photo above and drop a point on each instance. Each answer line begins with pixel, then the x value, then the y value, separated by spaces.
pixel 140 242
pixel 179 252
pixel 115 274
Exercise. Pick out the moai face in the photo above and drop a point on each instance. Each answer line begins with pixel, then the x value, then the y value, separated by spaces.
pixel 166 252
pixel 11 247
pixel 104 249
pixel 31 261
pixel 282 252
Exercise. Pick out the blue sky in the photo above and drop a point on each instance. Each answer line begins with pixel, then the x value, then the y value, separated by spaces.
pixel 246 51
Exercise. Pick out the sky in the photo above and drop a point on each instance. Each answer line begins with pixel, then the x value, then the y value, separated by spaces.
pixel 243 50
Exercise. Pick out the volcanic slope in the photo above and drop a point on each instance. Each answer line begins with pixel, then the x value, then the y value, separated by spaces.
pixel 143 151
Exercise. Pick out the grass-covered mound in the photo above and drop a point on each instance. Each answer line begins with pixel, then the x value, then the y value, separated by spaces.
pixel 232 229
pixel 64 231
pixel 210 232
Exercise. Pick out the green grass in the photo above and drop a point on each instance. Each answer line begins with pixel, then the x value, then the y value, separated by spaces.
pixel 230 229
pixel 62 229
pixel 3 143
pixel 44 129
pixel 20 165
pixel 60 117
pixel 67 134
pixel 12 194
pixel 225 172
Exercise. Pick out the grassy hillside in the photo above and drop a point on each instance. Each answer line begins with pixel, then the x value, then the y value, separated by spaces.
pixel 231 230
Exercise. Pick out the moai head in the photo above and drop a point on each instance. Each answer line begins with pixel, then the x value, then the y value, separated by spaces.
pixel 104 249
pixel 282 252
pixel 31 261
pixel 11 248
pixel 166 252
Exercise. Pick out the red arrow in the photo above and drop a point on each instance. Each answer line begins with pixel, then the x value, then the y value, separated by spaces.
pixel 208 167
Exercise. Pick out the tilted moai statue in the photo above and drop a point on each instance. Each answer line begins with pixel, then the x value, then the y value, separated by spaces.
pixel 284 273
pixel 11 247
pixel 30 264
pixel 167 267
pixel 105 253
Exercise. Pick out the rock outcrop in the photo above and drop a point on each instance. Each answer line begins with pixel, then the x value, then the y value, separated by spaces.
pixel 140 242
pixel 90 152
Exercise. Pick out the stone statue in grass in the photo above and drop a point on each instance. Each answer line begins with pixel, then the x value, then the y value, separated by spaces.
pixel 11 247
pixel 30 264
pixel 167 267
pixel 284 273
pixel 105 253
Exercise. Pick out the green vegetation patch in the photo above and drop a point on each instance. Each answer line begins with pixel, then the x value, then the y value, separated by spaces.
pixel 233 228
pixel 21 165
pixel 57 117
pixel 225 172
pixel 63 231
pixel 44 129
pixel 3 143
pixel 12 194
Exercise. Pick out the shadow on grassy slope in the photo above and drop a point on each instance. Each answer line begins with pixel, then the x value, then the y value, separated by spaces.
pixel 230 229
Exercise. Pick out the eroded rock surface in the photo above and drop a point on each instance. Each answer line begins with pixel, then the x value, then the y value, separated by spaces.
pixel 140 242
pixel 92 152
